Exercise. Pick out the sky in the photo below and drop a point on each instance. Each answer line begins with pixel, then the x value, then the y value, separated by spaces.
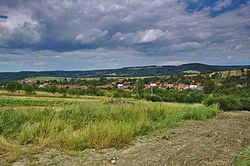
pixel 98 34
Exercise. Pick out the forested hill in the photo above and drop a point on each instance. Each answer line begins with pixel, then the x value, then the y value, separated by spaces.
pixel 125 72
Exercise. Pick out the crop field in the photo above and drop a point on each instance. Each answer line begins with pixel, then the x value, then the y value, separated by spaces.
pixel 76 124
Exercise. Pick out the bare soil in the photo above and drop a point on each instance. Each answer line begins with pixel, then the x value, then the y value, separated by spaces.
pixel 215 142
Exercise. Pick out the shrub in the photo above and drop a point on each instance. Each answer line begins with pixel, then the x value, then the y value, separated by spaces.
pixel 245 102
pixel 29 89
pixel 225 103
pixel 12 86
pixel 153 98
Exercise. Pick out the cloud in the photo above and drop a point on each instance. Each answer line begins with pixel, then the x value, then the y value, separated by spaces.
pixel 19 28
pixel 222 4
pixel 193 1
pixel 151 35
pixel 143 37
pixel 156 30
pixel 187 46
pixel 92 36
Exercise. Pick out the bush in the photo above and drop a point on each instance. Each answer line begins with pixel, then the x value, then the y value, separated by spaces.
pixel 12 86
pixel 245 102
pixel 153 98
pixel 225 103
pixel 29 89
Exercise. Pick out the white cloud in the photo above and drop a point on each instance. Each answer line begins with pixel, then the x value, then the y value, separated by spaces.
pixel 151 35
pixel 222 4
pixel 143 37
pixel 92 36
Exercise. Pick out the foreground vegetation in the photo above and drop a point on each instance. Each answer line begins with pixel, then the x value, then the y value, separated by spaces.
pixel 79 125
pixel 244 158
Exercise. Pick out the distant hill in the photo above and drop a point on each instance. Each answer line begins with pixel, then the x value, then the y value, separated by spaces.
pixel 139 71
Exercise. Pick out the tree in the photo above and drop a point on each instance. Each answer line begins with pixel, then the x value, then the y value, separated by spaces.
pixel 12 86
pixel 139 86
pixel 63 91
pixel 91 90
pixel 103 80
pixel 209 86
pixel 29 89
pixel 52 89
pixel 248 77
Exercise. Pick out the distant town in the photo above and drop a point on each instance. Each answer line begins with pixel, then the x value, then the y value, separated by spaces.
pixel 122 84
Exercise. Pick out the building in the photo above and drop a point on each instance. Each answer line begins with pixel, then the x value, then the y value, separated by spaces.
pixel 168 85
pixel 27 81
pixel 181 86
pixel 193 86
pixel 120 86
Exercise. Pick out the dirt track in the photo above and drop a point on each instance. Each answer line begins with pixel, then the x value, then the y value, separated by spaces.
pixel 213 142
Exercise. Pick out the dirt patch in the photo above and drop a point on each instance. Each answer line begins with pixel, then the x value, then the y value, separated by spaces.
pixel 216 141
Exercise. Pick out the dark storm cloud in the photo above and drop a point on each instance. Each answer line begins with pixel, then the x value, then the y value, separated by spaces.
pixel 160 31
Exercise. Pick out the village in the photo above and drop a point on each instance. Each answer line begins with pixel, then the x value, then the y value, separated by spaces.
pixel 121 84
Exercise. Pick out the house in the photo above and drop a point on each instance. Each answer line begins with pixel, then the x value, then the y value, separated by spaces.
pixel 126 85
pixel 200 87
pixel 193 86
pixel 72 86
pixel 181 86
pixel 43 85
pixel 114 85
pixel 105 86
pixel 168 85
pixel 68 79
pixel 120 86
pixel 27 82
pixel 152 85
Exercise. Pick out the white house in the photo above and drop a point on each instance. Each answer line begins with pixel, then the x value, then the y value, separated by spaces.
pixel 120 86
pixel 193 86
pixel 152 85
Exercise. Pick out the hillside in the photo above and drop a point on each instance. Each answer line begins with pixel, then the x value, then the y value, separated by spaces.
pixel 125 72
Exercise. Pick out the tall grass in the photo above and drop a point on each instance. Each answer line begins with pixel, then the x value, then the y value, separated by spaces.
pixel 31 102
pixel 77 126
pixel 244 158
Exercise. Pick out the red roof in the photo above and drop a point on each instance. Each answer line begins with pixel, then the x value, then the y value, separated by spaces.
pixel 181 86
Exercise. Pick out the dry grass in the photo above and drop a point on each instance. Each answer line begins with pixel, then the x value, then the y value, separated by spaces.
pixel 75 125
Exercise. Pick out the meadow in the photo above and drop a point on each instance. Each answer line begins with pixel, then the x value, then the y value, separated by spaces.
pixel 77 124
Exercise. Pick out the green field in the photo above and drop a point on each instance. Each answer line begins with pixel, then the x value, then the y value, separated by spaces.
pixel 29 123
